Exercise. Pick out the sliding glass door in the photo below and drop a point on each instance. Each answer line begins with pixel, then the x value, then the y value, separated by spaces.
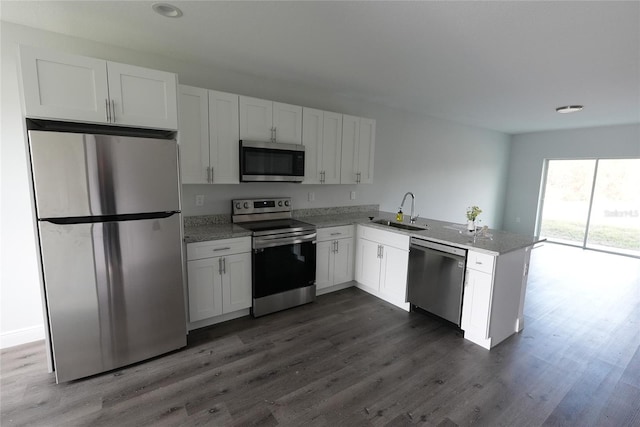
pixel 592 203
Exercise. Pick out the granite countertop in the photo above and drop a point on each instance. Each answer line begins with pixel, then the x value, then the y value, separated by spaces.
pixel 211 227
pixel 496 242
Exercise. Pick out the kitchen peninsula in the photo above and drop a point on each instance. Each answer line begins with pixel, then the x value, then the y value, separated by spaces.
pixel 496 269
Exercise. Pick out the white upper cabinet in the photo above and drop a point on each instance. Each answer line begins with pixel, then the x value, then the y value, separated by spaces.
pixel 358 143
pixel 76 88
pixel 193 135
pixel 67 87
pixel 208 136
pixel 142 97
pixel 263 120
pixel 287 123
pixel 224 136
pixel 322 138
pixel 256 119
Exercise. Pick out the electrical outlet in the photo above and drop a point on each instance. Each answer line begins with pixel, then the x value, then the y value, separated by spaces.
pixel 352 196
pixel 517 219
pixel 200 200
pixel 312 196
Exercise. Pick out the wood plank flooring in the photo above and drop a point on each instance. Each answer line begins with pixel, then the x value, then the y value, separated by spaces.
pixel 350 359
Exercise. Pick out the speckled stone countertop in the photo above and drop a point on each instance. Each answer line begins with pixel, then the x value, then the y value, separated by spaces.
pixel 216 227
pixel 496 242
pixel 211 227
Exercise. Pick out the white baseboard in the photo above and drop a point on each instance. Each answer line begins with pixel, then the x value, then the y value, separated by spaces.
pixel 21 336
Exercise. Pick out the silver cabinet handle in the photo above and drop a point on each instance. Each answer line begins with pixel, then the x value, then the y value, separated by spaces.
pixel 208 175
pixel 381 251
pixel 220 266
pixel 224 266
pixel 335 246
pixel 106 107
pixel 273 134
pixel 113 110
pixel 358 177
pixel 336 234
pixel 222 249
pixel 212 175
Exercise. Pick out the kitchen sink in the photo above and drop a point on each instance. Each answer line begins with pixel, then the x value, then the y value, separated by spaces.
pixel 399 225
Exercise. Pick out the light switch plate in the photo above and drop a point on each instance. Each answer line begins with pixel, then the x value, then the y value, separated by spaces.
pixel 200 200
pixel 352 196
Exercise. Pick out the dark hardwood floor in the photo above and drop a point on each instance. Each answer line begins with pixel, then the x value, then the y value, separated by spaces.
pixel 350 359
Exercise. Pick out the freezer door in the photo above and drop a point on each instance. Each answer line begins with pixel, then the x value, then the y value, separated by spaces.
pixel 78 175
pixel 114 293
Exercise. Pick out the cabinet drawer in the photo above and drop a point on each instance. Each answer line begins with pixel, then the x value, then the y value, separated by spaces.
pixel 480 262
pixel 214 248
pixel 333 233
pixel 388 238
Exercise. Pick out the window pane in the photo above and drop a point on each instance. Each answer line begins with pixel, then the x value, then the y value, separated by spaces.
pixel 615 214
pixel 566 200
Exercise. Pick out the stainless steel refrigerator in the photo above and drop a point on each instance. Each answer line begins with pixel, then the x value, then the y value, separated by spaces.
pixel 108 213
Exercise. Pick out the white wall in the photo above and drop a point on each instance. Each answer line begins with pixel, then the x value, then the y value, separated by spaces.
pixel 448 166
pixel 528 152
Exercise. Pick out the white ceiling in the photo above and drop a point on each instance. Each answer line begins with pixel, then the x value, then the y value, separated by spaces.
pixel 500 65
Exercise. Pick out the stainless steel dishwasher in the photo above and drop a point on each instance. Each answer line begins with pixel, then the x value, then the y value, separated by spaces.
pixel 436 278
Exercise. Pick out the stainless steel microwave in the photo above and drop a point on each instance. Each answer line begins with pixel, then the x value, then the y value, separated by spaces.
pixel 271 161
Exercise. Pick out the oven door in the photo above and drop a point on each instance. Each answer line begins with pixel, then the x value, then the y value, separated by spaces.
pixel 283 275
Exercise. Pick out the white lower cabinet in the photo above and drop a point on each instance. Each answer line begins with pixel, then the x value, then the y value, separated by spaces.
pixel 334 257
pixel 493 296
pixel 219 278
pixel 382 260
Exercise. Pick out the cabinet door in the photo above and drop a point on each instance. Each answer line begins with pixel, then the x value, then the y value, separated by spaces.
pixel 142 97
pixel 287 120
pixel 324 264
pixel 393 274
pixel 343 261
pixel 205 288
pixel 312 127
pixel 476 305
pixel 62 86
pixel 224 136
pixel 366 145
pixel 193 136
pixel 331 147
pixel 350 137
pixel 256 119
pixel 236 282
pixel 368 264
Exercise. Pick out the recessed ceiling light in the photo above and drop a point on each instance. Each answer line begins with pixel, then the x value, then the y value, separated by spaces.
pixel 166 9
pixel 569 109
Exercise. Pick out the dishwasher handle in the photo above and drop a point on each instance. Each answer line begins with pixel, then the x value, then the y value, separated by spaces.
pixel 438 247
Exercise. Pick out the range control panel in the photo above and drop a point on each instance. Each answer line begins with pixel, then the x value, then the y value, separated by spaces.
pixel 254 206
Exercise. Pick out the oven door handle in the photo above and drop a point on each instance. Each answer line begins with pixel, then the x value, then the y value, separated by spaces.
pixel 269 242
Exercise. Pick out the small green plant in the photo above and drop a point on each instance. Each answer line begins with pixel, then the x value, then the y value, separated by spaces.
pixel 473 212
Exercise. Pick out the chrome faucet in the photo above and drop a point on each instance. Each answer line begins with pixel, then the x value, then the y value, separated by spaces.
pixel 412 217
